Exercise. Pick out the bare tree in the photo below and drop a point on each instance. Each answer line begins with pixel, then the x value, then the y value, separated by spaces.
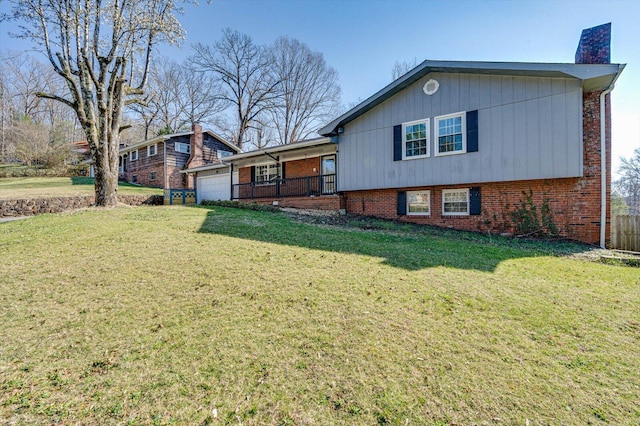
pixel 177 96
pixel 102 50
pixel 629 184
pixel 37 144
pixel 401 68
pixel 25 78
pixel 242 68
pixel 310 94
pixel 21 79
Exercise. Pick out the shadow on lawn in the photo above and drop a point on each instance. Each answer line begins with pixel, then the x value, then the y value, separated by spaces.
pixel 81 180
pixel 407 247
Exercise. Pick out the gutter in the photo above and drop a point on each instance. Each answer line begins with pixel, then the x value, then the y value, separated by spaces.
pixel 603 159
pixel 164 149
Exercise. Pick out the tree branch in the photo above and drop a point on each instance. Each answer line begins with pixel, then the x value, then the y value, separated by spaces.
pixel 56 98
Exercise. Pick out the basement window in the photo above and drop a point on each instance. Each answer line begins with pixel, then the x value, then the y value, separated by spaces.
pixel 418 203
pixel 455 202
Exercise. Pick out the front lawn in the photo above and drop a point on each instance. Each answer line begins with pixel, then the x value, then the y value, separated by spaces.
pixel 177 315
pixel 34 187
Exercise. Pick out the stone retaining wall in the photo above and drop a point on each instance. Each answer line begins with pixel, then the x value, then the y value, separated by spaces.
pixel 34 206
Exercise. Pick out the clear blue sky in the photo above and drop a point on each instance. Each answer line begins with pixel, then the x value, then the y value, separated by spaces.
pixel 363 39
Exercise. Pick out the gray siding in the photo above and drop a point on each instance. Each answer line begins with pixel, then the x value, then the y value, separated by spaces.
pixel 529 128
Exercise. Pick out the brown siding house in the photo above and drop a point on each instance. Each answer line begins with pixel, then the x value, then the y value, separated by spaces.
pixel 158 162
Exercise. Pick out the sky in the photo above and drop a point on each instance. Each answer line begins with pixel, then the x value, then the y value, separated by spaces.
pixel 362 39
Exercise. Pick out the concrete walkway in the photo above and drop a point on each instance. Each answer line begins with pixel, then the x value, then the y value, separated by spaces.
pixel 9 219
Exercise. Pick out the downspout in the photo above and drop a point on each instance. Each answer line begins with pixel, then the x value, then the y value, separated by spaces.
pixel 603 160
pixel 231 180
pixel 164 149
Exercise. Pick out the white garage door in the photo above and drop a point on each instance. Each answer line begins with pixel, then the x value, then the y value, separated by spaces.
pixel 216 187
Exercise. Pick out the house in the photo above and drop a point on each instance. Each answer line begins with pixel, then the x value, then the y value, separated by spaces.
pixel 466 145
pixel 158 162
pixel 301 175
pixel 80 158
pixel 469 145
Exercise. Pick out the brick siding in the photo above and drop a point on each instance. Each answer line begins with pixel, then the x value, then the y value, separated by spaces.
pixel 324 202
pixel 144 165
pixel 293 169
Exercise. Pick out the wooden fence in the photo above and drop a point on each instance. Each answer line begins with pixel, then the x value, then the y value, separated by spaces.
pixel 625 233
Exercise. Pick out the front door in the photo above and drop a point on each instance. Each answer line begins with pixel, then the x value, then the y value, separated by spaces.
pixel 328 172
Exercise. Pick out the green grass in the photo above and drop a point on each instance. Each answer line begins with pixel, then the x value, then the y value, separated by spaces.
pixel 33 187
pixel 175 315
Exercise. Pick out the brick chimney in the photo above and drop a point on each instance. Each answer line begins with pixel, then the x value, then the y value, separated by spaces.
pixel 196 159
pixel 595 45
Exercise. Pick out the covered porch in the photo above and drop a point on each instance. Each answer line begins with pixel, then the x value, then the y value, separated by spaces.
pixel 299 175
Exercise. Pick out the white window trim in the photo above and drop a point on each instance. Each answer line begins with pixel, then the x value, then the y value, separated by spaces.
pixel 446 191
pixel 132 155
pixel 426 121
pixel 270 181
pixel 185 144
pixel 436 149
pixel 409 213
pixel 222 154
pixel 155 150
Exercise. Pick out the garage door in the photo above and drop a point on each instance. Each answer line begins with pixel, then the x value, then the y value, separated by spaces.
pixel 217 187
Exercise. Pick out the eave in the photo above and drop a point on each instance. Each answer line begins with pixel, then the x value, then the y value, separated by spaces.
pixel 592 76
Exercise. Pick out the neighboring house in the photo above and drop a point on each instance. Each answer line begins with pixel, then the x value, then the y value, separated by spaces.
pixel 459 144
pixel 301 174
pixel 159 161
pixel 81 158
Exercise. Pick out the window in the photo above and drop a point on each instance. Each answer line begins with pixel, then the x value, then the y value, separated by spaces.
pixel 267 174
pixel 183 147
pixel 415 139
pixel 152 150
pixel 450 134
pixel 418 203
pixel 134 179
pixel 134 155
pixel 222 154
pixel 455 202
pixel 152 176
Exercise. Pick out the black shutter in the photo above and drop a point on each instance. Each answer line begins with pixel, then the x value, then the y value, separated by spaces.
pixel 282 170
pixel 402 203
pixel 472 131
pixel 397 142
pixel 474 201
pixel 253 173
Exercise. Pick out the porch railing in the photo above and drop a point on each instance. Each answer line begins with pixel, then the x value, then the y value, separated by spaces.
pixel 282 188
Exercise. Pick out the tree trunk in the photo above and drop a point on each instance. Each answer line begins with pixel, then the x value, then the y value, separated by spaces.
pixel 106 186
pixel 106 173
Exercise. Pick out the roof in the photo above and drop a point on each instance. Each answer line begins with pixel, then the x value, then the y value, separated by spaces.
pixel 279 148
pixel 264 151
pixel 163 138
pixel 593 76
